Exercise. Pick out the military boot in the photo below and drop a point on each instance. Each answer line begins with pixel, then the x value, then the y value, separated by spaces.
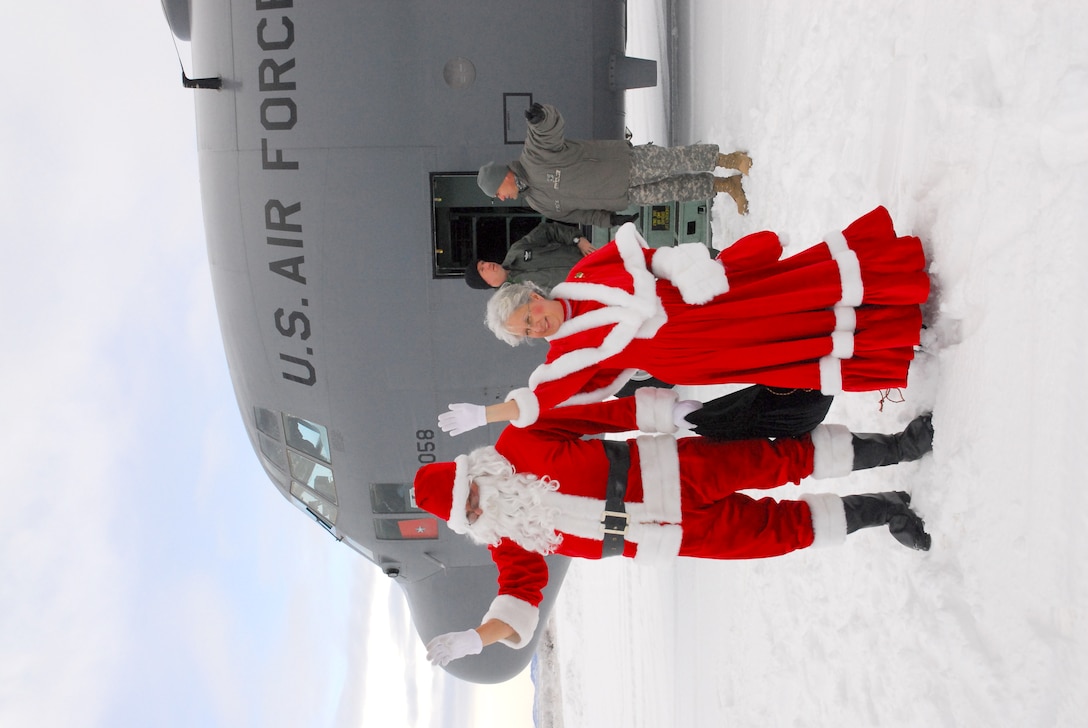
pixel 891 509
pixel 735 160
pixel 872 450
pixel 732 187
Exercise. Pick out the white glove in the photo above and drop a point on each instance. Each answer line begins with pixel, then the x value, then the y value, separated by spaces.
pixel 453 645
pixel 462 417
pixel 682 409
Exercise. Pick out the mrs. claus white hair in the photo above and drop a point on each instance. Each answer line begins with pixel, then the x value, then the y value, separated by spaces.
pixel 503 303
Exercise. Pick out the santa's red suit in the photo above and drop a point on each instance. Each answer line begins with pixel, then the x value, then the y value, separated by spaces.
pixel 843 315
pixel 681 497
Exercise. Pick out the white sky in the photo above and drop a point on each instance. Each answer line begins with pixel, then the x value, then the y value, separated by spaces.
pixel 151 573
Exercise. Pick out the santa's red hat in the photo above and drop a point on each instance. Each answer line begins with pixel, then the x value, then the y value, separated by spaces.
pixel 442 489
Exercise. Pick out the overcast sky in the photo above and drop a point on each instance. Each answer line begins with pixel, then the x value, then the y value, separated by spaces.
pixel 151 574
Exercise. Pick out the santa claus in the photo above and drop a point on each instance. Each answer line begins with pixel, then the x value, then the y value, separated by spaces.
pixel 544 489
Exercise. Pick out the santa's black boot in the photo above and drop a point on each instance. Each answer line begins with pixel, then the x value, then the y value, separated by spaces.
pixel 872 450
pixel 891 509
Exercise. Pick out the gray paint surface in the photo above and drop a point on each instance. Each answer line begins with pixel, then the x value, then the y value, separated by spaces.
pixel 315 160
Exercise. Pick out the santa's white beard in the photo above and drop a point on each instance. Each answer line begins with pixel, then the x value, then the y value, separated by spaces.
pixel 513 507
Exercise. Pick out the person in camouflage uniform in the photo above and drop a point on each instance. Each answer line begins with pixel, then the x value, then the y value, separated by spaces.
pixel 591 181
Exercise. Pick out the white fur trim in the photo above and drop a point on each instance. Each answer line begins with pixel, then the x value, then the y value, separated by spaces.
pixel 600 395
pixel 651 325
pixel 654 524
pixel 610 296
pixel 690 268
pixel 831 375
pixel 660 471
pixel 577 515
pixel 846 318
pixel 833 455
pixel 653 409
pixel 623 331
pixel 638 314
pixel 520 615
pixel 457 522
pixel 630 246
pixel 842 344
pixel 660 466
pixel 850 278
pixel 581 516
pixel 528 406
pixel 628 231
pixel 828 519
pixel 659 544
pixel 836 242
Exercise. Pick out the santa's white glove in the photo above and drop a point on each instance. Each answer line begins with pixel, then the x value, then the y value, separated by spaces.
pixel 453 645
pixel 682 409
pixel 462 417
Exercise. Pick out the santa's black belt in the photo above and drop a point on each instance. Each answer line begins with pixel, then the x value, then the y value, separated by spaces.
pixel 614 519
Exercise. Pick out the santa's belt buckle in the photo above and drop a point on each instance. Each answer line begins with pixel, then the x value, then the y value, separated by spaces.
pixel 611 522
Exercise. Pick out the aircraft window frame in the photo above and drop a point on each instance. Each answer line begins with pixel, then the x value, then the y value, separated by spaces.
pixel 393 498
pixel 274 451
pixel 314 503
pixel 303 460
pixel 309 472
pixel 268 422
pixel 296 438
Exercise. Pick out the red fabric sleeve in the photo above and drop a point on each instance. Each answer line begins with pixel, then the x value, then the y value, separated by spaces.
pixel 522 574
pixel 752 251
pixel 617 415
pixel 555 392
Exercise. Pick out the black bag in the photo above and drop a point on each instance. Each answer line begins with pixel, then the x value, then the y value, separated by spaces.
pixel 760 411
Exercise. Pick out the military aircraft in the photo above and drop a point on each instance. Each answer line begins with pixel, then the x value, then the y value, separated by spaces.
pixel 338 143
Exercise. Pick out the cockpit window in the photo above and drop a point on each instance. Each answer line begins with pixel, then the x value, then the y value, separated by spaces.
pixel 274 451
pixel 393 498
pixel 316 504
pixel 313 475
pixel 306 456
pixel 307 437
pixel 268 422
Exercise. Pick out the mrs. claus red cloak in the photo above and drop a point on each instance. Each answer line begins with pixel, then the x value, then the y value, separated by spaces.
pixel 843 315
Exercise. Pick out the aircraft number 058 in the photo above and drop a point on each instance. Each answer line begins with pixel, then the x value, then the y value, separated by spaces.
pixel 425 446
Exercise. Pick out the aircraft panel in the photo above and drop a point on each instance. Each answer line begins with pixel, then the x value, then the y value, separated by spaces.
pixel 316 159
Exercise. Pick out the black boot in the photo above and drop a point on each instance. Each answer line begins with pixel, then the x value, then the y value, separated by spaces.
pixel 891 509
pixel 872 450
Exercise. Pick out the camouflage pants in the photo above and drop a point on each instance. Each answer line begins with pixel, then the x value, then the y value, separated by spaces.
pixel 664 174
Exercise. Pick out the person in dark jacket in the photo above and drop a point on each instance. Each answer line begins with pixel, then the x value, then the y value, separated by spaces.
pixel 543 257
pixel 591 181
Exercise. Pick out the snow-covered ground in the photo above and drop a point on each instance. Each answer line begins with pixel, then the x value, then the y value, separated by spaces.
pixel 968 119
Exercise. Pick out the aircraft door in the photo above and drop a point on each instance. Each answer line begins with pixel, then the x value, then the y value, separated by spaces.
pixel 466 223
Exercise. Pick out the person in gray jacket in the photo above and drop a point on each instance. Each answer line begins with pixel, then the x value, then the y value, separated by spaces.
pixel 544 257
pixel 591 181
